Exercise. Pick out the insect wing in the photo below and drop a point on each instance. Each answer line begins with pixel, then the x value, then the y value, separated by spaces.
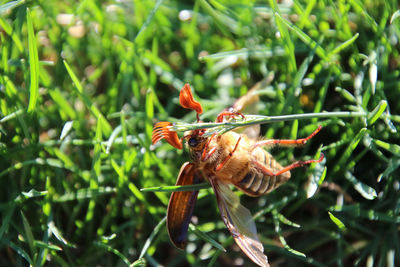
pixel 181 205
pixel 239 222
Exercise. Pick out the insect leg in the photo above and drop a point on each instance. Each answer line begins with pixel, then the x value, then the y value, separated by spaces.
pixel 229 114
pixel 292 166
pixel 287 142
pixel 219 167
pixel 205 155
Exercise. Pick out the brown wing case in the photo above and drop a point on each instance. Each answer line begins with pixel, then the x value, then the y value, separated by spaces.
pixel 181 205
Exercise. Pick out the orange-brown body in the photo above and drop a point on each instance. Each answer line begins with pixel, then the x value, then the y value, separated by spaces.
pixel 242 167
pixel 230 158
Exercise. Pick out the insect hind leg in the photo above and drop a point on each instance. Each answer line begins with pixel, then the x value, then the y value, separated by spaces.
pixel 267 171
pixel 287 142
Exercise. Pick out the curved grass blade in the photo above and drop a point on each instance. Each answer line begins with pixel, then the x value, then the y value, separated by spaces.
pixel 377 112
pixel 151 237
pixel 112 250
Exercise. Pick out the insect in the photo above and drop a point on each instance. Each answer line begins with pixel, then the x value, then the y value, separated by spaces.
pixel 223 160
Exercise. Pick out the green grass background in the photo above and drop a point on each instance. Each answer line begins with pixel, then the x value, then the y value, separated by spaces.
pixel 83 82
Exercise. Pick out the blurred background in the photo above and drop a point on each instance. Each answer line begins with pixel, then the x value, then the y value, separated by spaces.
pixel 83 82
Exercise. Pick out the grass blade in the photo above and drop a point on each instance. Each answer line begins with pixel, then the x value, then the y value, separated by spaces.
pixel 33 63
pixel 10 5
pixel 176 188
pixel 313 45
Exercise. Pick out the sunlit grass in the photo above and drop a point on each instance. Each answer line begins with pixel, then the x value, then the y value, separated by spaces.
pixel 82 84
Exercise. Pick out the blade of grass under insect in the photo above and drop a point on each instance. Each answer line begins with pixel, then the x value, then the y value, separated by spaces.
pixel 33 63
pixel 258 119
pixel 176 188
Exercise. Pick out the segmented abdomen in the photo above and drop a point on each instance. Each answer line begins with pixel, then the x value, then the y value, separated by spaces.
pixel 255 182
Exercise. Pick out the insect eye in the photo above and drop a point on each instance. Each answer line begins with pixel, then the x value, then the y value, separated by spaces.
pixel 193 142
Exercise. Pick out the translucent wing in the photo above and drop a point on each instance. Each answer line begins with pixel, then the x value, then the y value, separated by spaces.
pixel 239 222
pixel 181 205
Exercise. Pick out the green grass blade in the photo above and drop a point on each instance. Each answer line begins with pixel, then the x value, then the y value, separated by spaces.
pixel 6 219
pixel 138 37
pixel 337 221
pixel 33 63
pixel 395 16
pixel 112 250
pixel 176 188
pixel 377 112
pixel 28 234
pixel 205 237
pixel 20 251
pixel 151 237
pixel 8 29
pixel 287 42
pixel 313 45
pixel 105 126
pixel 366 191
pixel 343 45
pixel 10 5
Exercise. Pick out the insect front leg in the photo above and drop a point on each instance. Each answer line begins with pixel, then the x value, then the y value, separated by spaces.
pixel 267 171
pixel 219 166
pixel 205 155
pixel 228 114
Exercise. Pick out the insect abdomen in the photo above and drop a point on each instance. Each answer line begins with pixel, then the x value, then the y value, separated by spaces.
pixel 256 183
